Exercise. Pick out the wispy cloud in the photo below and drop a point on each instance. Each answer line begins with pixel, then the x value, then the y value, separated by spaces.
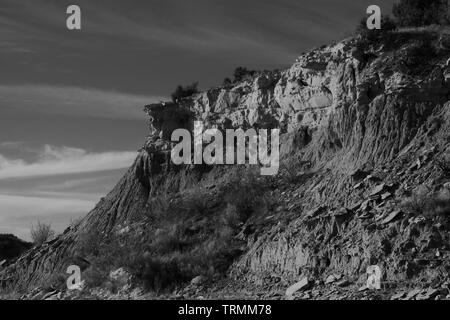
pixel 73 101
pixel 63 160
pixel 10 144
pixel 173 24
pixel 57 185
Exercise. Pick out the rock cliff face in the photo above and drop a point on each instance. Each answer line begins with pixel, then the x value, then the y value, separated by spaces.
pixel 365 128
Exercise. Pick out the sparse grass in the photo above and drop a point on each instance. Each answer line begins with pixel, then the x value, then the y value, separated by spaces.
pixel 182 92
pixel 418 13
pixel 429 206
pixel 162 206
pixel 9 295
pixel 41 233
pixel 107 253
pixel 9 292
pixel 294 172
pixel 232 217
pixel 197 201
pixel 415 51
pixel 368 39
pixel 415 54
pixel 290 170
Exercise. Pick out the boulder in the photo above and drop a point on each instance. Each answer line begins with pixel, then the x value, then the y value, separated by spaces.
pixel 303 284
pixel 378 190
pixel 391 217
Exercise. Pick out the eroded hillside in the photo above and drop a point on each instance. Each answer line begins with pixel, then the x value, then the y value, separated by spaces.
pixel 364 180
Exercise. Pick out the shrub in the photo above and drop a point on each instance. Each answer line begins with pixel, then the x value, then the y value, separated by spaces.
pixel 199 236
pixel 109 252
pixel 197 201
pixel 159 273
pixel 414 204
pixel 241 73
pixel 56 281
pixel 232 217
pixel 440 206
pixel 374 37
pixel 162 206
pixel 9 292
pixel 245 192
pixel 436 205
pixel 95 277
pixel 170 239
pixel 173 257
pixel 184 92
pixel 416 13
pixel 41 233
pixel 444 165
pixel 227 82
pixel 293 171
pixel 191 233
pixel 414 58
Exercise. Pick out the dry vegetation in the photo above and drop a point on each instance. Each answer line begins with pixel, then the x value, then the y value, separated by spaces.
pixel 430 206
pixel 41 233
pixel 189 233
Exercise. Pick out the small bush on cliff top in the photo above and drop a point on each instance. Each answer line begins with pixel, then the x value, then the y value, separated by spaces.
pixel 436 205
pixel 184 92
pixel 416 13
pixel 240 74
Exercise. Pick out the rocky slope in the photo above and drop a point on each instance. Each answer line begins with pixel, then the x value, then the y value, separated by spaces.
pixel 363 179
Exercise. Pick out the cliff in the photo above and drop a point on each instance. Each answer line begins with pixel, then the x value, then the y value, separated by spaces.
pixel 362 182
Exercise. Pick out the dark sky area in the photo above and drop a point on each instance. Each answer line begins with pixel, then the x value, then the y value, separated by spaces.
pixel 71 101
pixel 147 46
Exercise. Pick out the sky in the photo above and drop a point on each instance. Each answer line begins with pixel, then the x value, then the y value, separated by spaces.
pixel 71 102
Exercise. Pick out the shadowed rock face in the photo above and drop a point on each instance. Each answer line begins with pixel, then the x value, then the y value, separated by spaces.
pixel 338 113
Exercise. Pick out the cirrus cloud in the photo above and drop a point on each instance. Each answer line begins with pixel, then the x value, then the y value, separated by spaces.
pixel 64 160
pixel 74 101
